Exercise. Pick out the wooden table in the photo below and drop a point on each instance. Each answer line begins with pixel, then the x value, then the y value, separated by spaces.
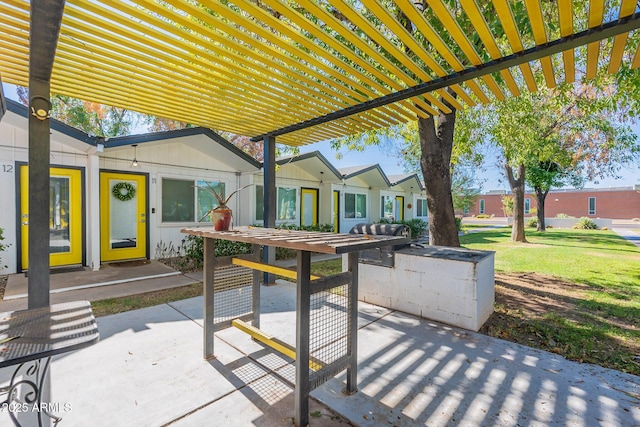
pixel 29 337
pixel 326 308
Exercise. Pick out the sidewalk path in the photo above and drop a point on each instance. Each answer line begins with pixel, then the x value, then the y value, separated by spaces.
pixel 147 370
pixel 630 234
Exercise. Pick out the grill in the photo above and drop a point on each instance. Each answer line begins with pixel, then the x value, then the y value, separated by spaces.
pixel 384 256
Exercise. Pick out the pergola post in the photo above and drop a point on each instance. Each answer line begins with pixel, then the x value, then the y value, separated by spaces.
pixel 269 198
pixel 46 17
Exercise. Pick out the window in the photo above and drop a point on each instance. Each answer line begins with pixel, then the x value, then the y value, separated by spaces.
pixel 592 205
pixel 421 208
pixel 183 201
pixel 178 200
pixel 481 206
pixel 527 206
pixel 386 207
pixel 206 200
pixel 355 205
pixel 286 203
pixel 259 203
pixel 466 210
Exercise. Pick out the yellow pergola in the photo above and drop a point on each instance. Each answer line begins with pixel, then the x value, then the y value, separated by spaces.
pixel 299 71
pixel 306 71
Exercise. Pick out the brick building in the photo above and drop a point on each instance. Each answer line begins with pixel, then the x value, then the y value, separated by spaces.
pixel 614 203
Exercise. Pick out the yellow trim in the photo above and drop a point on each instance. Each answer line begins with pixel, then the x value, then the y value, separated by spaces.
pixel 266 268
pixel 336 211
pixel 400 214
pixel 314 205
pixel 272 342
pixel 107 253
pixel 74 256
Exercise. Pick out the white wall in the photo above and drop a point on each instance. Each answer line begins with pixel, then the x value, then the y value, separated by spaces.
pixel 14 143
pixel 291 176
pixel 347 223
pixel 177 161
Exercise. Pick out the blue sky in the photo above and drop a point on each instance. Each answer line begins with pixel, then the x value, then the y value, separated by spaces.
pixel 490 175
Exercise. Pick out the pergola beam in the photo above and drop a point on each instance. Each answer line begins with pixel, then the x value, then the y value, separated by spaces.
pixel 610 29
pixel 46 18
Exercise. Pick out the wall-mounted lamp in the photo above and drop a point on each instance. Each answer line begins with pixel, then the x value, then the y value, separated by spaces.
pixel 134 163
pixel 40 107
pixel 321 175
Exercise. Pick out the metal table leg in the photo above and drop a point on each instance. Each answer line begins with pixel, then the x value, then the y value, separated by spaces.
pixel 352 343
pixel 303 307
pixel 208 295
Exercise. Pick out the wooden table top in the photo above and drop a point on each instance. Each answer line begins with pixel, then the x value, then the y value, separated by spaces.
pixel 312 241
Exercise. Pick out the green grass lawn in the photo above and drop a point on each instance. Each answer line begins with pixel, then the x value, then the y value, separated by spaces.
pixel 594 257
pixel 595 322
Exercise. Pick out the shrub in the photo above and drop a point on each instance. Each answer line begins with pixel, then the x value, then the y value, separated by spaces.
pixel 532 223
pixel 563 215
pixel 326 228
pixel 483 216
pixel 585 224
pixel 3 246
pixel 193 248
pixel 459 223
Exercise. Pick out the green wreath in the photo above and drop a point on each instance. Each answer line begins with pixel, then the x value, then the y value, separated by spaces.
pixel 123 191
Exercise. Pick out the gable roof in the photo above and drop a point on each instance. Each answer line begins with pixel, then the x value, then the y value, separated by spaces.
pixel 3 104
pixel 209 140
pixel 371 174
pixel 315 163
pixel 407 182
pixel 23 111
pixel 208 143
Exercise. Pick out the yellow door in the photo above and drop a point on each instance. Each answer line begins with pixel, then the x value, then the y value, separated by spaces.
pixel 400 208
pixel 123 216
pixel 336 211
pixel 65 216
pixel 309 206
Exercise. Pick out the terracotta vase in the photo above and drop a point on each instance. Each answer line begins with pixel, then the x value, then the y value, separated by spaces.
pixel 221 218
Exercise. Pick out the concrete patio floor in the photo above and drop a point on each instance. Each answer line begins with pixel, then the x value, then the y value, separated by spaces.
pixel 148 370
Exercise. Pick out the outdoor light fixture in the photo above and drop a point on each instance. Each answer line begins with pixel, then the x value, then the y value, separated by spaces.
pixel 135 163
pixel 40 107
pixel 321 174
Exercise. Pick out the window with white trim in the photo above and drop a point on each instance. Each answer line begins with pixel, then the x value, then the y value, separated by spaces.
pixel 355 205
pixel 421 208
pixel 286 203
pixel 259 203
pixel 592 205
pixel 527 206
pixel 481 206
pixel 188 200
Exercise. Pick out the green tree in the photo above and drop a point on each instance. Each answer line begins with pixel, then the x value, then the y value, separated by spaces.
pixel 565 135
pixel 90 117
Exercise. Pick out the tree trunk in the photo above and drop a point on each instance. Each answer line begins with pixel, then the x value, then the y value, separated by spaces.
pixel 517 188
pixel 540 198
pixel 436 170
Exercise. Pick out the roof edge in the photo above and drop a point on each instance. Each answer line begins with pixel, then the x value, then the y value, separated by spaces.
pixel 308 155
pixel 367 169
pixel 57 125
pixel 121 141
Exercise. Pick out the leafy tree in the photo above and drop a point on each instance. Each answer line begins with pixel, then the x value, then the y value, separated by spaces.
pixel 566 135
pixel 90 117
